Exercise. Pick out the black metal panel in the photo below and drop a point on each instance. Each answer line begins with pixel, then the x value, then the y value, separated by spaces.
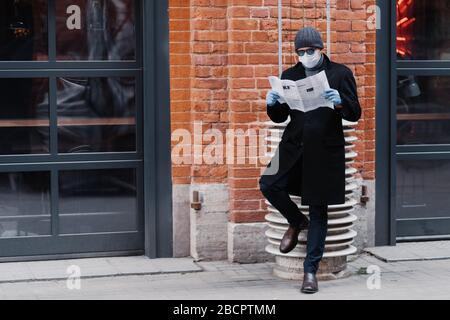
pixel 423 229
pixel 436 148
pixel 85 72
pixel 163 127
pixel 424 71
pixel 82 165
pixel 383 235
pixel 157 166
pixel 83 243
pixel 423 64
pixel 393 120
pixel 423 155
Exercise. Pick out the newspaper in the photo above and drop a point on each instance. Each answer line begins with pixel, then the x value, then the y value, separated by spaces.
pixel 304 95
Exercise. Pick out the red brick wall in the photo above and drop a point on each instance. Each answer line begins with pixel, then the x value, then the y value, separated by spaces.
pixel 180 77
pixel 354 45
pixel 221 54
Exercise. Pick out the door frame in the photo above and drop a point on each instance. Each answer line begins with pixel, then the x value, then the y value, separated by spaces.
pixel 157 152
pixel 385 166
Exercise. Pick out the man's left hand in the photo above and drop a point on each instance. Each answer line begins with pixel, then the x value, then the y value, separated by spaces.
pixel 333 96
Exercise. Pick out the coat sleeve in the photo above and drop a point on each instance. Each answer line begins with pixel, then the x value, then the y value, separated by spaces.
pixel 351 109
pixel 279 112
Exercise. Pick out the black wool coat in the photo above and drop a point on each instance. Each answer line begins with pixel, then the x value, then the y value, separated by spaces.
pixel 317 138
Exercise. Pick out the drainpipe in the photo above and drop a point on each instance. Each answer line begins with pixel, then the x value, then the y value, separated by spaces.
pixel 280 37
pixel 280 33
pixel 329 28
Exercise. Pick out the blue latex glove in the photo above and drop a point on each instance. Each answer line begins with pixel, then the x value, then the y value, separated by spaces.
pixel 272 98
pixel 333 96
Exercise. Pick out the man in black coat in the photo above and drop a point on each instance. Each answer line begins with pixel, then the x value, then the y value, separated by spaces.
pixel 310 160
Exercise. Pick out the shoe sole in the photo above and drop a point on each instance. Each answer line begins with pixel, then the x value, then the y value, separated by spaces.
pixel 289 249
pixel 285 252
pixel 309 291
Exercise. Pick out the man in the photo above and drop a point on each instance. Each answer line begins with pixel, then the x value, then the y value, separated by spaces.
pixel 311 153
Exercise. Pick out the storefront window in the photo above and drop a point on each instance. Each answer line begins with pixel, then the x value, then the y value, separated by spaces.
pixel 24 204
pixel 23 30
pixel 24 116
pixel 96 114
pixel 423 188
pixel 94 201
pixel 423 30
pixel 95 30
pixel 423 110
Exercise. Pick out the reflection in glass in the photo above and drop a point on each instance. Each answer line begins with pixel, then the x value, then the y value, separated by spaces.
pixel 95 30
pixel 97 201
pixel 423 30
pixel 23 30
pixel 423 188
pixel 24 116
pixel 24 204
pixel 96 115
pixel 423 110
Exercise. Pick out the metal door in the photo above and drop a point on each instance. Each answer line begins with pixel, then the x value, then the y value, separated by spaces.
pixel 421 101
pixel 71 151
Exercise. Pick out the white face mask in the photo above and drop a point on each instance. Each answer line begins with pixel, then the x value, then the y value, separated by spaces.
pixel 311 61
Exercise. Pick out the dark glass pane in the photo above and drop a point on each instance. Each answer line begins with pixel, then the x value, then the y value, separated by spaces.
pixel 96 115
pixel 423 30
pixel 95 30
pixel 23 30
pixel 24 116
pixel 423 110
pixel 97 201
pixel 24 204
pixel 423 189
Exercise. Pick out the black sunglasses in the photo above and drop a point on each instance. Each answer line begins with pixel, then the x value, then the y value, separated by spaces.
pixel 309 51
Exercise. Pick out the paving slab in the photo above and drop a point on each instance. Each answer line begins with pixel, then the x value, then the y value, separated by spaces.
pixel 93 268
pixel 412 251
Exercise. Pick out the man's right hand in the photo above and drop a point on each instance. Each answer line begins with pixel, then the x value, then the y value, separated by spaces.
pixel 272 98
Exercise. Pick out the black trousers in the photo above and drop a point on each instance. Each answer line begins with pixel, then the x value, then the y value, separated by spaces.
pixel 280 199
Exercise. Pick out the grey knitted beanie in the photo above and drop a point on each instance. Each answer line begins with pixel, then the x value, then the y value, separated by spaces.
pixel 308 37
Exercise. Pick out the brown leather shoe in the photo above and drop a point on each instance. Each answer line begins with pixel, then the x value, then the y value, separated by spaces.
pixel 290 238
pixel 310 284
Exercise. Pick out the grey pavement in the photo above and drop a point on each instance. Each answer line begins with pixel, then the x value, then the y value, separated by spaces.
pixel 93 267
pixel 428 279
pixel 409 251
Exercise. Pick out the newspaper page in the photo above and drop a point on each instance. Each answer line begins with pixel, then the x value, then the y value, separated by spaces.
pixel 288 91
pixel 303 95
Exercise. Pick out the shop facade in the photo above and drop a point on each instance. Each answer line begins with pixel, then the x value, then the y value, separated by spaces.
pixel 79 161
pixel 96 93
